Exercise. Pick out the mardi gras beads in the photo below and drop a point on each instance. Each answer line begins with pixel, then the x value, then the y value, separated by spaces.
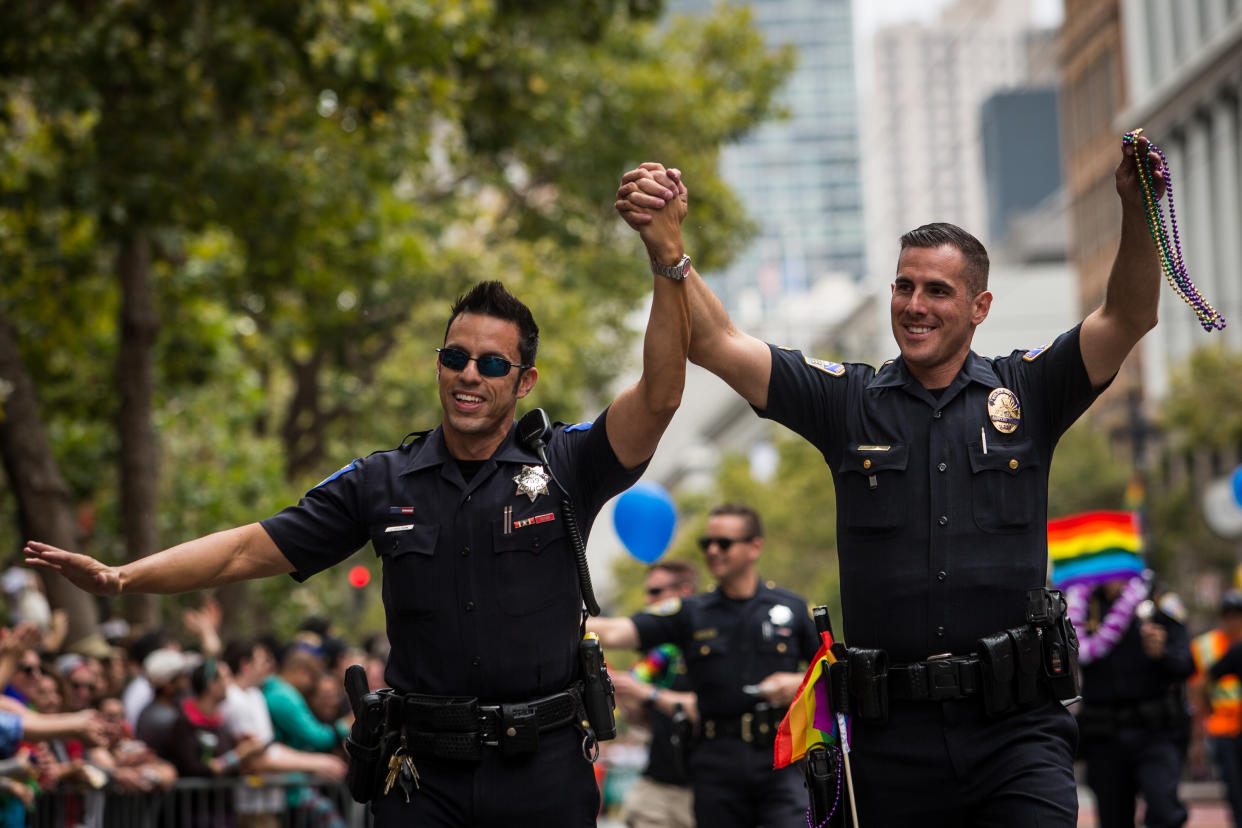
pixel 1169 244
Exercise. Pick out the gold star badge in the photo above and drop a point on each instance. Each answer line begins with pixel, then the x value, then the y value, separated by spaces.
pixel 532 481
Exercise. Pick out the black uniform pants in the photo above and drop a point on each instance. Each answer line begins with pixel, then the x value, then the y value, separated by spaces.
pixel 948 764
pixel 734 785
pixel 555 786
pixel 1136 760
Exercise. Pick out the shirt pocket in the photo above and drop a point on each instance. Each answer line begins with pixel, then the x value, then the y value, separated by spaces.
pixel 409 581
pixel 870 480
pixel 1004 486
pixel 532 567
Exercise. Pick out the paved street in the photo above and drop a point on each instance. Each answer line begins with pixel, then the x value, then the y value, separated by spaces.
pixel 1206 810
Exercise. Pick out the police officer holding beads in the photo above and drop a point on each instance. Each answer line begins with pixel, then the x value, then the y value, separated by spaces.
pixel 940 462
pixel 486 718
pixel 747 644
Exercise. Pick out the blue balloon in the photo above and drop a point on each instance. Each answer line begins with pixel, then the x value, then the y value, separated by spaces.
pixel 1237 485
pixel 644 518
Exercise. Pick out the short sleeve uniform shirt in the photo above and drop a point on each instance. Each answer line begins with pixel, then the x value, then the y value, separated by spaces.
pixel 480 587
pixel 941 499
pixel 729 643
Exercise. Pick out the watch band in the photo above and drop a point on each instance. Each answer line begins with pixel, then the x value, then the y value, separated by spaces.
pixel 675 272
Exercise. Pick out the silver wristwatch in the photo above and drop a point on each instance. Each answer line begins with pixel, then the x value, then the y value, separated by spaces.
pixel 675 272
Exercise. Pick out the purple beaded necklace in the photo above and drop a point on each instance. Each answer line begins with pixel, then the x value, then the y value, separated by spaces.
pixel 1170 245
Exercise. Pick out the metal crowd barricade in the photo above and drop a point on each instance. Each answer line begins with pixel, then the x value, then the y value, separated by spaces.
pixel 270 801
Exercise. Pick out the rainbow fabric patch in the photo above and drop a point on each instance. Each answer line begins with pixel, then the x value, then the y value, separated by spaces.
pixel 809 720
pixel 1093 547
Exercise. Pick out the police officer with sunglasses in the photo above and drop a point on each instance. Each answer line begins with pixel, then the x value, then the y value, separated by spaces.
pixel 483 724
pixel 746 644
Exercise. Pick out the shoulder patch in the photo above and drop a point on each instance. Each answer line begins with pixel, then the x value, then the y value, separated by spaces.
pixel 836 369
pixel 669 606
pixel 579 426
pixel 1033 354
pixel 1171 605
pixel 342 470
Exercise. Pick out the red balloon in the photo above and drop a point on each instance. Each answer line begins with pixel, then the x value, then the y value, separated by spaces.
pixel 359 576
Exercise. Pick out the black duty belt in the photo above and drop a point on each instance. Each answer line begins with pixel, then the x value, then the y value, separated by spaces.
pixel 757 727
pixel 941 678
pixel 460 728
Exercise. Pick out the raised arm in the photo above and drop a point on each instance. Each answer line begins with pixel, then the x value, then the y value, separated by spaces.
pixel 744 362
pixel 1133 292
pixel 221 558
pixel 639 415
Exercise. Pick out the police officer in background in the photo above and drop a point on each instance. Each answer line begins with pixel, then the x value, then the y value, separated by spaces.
pixel 479 584
pixel 747 644
pixel 656 693
pixel 1134 721
pixel 940 463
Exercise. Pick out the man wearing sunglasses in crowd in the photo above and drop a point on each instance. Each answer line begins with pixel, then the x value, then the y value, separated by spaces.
pixel 480 587
pixel 747 644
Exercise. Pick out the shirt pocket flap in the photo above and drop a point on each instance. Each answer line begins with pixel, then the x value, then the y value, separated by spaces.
pixel 533 539
pixel 1009 458
pixel 866 458
pixel 396 541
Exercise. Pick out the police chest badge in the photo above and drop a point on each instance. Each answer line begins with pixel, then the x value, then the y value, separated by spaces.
pixel 532 481
pixel 1004 410
pixel 780 615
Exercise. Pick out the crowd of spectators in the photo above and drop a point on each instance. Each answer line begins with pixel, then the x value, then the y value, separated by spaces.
pixel 131 714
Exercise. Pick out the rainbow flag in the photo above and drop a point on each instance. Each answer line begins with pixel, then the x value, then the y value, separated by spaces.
pixel 809 720
pixel 1093 547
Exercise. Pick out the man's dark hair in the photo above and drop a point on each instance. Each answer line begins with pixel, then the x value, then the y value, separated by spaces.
pixel 754 524
pixel 683 573
pixel 491 299
pixel 237 651
pixel 975 269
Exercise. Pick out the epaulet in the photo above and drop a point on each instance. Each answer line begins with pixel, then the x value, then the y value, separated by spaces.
pixel 1171 605
pixel 412 437
pixel 1033 354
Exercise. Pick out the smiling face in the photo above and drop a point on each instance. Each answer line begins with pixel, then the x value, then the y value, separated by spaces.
pixel 738 561
pixel 478 410
pixel 934 315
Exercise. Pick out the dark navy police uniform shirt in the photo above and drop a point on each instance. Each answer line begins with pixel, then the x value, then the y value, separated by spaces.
pixel 941 516
pixel 480 586
pixel 729 643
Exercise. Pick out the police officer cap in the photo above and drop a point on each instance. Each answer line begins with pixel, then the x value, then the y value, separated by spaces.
pixel 1231 602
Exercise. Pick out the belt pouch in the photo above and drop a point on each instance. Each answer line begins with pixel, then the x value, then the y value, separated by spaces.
pixel 366 768
pixel 1029 661
pixel 839 687
pixel 996 657
pixel 366 746
pixel 868 680
pixel 519 729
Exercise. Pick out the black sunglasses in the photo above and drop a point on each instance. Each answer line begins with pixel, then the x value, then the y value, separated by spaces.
pixel 723 543
pixel 654 591
pixel 489 365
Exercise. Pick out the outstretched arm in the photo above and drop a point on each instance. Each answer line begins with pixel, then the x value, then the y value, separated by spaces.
pixel 744 362
pixel 221 558
pixel 614 633
pixel 1133 293
pixel 639 415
